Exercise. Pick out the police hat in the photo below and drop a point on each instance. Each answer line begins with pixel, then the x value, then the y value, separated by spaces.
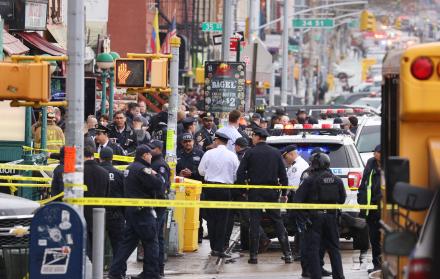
pixel 256 116
pixel 206 115
pixel 261 132
pixel 187 137
pixel 101 128
pixel 156 144
pixel 142 149
pixel 378 148
pixel 188 121
pixel 106 153
pixel 221 136
pixel 289 148
pixel 242 142
pixel 316 150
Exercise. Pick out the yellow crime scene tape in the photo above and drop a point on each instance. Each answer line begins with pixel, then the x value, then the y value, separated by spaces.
pixel 209 204
pixel 45 201
pixel 25 178
pixel 31 185
pixel 27 167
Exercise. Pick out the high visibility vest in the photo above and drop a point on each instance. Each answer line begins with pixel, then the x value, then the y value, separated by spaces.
pixel 370 184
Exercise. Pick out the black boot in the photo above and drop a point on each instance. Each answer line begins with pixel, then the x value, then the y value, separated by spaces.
pixel 285 246
pixel 253 259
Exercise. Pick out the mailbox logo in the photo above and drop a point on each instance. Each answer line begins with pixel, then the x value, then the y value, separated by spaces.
pixel 130 73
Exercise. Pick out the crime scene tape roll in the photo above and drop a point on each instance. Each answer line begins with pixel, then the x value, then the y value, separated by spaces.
pixel 209 204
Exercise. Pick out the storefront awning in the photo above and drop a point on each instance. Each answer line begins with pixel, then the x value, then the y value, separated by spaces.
pixel 59 33
pixel 12 45
pixel 42 44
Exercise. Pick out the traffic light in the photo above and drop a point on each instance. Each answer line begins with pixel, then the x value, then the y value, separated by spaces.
pixel 130 73
pixel 159 71
pixel 25 81
pixel 200 75
pixel 368 21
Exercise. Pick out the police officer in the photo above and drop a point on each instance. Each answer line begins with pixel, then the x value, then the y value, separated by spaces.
pixel 369 193
pixel 322 186
pixel 121 133
pixel 114 220
pixel 141 182
pixel 205 136
pixel 263 165
pixel 189 126
pixel 102 140
pixel 159 165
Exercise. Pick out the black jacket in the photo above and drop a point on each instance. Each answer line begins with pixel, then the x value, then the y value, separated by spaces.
pixel 57 181
pixel 126 139
pixel 307 192
pixel 116 189
pixel 117 149
pixel 161 167
pixel 371 168
pixel 204 138
pixel 140 182
pixel 97 181
pixel 190 161
pixel 262 165
pixel 240 154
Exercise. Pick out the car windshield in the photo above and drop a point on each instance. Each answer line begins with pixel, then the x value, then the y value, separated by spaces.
pixel 374 103
pixel 336 152
pixel 369 138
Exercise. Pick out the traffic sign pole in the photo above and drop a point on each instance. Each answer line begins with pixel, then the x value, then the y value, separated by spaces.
pixel 227 28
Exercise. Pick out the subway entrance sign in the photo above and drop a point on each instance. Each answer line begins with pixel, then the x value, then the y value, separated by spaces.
pixel 130 73
pixel 314 23
pixel 212 27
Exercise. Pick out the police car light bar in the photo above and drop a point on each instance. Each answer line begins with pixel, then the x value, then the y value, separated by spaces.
pixel 346 111
pixel 323 126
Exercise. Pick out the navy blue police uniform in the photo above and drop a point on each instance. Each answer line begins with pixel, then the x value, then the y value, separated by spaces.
pixel 140 182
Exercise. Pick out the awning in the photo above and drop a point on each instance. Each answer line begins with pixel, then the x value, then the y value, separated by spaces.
pixel 12 45
pixel 59 33
pixel 42 44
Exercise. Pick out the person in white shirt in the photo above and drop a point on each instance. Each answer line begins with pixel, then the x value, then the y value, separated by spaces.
pixel 218 166
pixel 295 164
pixel 232 129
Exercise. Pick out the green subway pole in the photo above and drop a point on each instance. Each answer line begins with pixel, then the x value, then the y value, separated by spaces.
pixel 104 91
pixel 112 86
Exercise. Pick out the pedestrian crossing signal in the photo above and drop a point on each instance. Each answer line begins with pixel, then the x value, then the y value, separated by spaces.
pixel 130 73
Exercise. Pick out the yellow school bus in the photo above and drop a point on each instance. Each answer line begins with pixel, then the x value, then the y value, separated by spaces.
pixel 410 136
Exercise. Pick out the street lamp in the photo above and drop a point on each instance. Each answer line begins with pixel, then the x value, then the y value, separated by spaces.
pixel 115 56
pixel 105 62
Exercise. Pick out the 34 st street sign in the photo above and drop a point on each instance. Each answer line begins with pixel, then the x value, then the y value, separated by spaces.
pixel 313 23
pixel 212 27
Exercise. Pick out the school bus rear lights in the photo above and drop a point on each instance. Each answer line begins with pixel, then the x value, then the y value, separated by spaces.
pixel 422 68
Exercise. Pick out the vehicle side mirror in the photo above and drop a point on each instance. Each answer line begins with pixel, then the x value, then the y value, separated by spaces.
pixel 412 197
pixel 399 243
pixel 397 170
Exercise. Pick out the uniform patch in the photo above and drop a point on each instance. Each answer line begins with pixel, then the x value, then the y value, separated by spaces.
pixel 294 170
pixel 162 169
pixel 126 173
pixel 147 170
pixel 196 158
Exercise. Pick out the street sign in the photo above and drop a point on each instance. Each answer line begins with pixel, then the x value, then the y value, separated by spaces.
pixel 212 27
pixel 224 86
pixel 57 243
pixel 294 48
pixel 218 39
pixel 130 73
pixel 234 44
pixel 313 23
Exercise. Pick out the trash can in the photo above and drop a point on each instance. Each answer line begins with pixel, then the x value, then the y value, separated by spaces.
pixel 13 254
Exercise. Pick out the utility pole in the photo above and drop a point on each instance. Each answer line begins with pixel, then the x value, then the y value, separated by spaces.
pixel 227 28
pixel 309 92
pixel 285 53
pixel 74 181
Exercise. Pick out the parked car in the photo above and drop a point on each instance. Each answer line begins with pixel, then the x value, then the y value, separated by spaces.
pixel 367 137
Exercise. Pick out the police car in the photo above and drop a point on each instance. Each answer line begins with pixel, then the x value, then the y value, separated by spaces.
pixel 367 137
pixel 345 159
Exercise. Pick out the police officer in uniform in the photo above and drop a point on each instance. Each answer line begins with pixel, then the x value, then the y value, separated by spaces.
pixel 114 221
pixel 161 167
pixel 205 136
pixel 102 140
pixel 141 182
pixel 121 133
pixel 263 165
pixel 322 186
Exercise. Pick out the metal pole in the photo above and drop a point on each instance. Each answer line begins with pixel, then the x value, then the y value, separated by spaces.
pixel 27 193
pixel 285 54
pixel 1 38
pixel 75 97
pixel 43 143
pixel 272 90
pixel 104 91
pixel 112 93
pixel 98 242
pixel 227 28
pixel 254 76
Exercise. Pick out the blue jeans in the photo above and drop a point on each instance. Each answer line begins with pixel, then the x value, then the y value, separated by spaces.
pixel 141 225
